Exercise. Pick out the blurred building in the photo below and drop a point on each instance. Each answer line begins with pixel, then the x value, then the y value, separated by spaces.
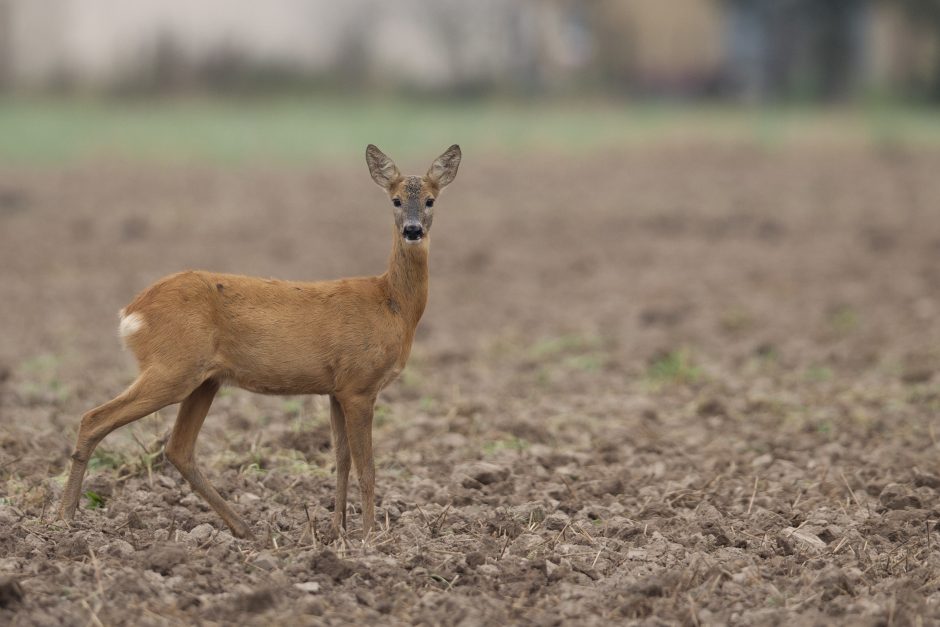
pixel 749 48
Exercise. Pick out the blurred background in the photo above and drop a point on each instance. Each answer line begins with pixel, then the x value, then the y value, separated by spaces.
pixel 82 77
pixel 752 50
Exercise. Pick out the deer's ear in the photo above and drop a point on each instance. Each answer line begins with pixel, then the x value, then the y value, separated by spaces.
pixel 444 168
pixel 383 170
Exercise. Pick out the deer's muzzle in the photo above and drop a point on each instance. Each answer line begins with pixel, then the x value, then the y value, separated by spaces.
pixel 413 232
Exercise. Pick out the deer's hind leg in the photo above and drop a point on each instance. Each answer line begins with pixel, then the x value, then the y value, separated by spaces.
pixel 181 448
pixel 153 389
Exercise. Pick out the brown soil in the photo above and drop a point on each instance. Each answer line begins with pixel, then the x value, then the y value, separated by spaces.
pixel 692 386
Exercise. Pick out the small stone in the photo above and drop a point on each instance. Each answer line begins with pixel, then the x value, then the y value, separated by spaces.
pixel 763 460
pixel 808 540
pixel 489 570
pixel 201 533
pixel 161 535
pixel 194 500
pixel 526 543
pixel 556 521
pixel 121 548
pixel 308 586
pixel 265 561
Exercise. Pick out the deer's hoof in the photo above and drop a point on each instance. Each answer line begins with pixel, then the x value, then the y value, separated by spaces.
pixel 241 530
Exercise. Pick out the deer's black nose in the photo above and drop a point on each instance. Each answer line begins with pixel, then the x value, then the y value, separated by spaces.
pixel 413 232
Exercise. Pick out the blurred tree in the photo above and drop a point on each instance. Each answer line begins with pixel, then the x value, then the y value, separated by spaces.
pixel 614 41
pixel 795 48
pixel 839 42
pixel 924 16
pixel 6 45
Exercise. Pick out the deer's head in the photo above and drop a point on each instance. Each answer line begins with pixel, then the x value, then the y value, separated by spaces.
pixel 413 197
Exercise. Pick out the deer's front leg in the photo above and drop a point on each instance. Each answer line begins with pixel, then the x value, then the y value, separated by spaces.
pixel 341 451
pixel 358 412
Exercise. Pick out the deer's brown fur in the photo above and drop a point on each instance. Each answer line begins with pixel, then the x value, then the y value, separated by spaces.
pixel 195 331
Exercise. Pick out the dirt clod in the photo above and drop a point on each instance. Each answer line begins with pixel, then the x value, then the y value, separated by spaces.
pixel 162 558
pixel 477 474
pixel 308 586
pixel 926 479
pixel 134 520
pixel 256 601
pixel 326 562
pixel 897 496
pixel 11 592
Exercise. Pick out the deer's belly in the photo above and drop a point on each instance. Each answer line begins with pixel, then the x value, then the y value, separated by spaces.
pixel 360 364
pixel 276 381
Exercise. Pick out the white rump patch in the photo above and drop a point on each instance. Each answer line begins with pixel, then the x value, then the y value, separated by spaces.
pixel 130 324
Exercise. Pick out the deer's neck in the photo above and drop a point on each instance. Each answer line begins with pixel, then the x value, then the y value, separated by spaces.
pixel 408 279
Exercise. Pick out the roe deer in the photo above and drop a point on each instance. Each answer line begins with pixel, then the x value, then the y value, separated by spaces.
pixel 195 331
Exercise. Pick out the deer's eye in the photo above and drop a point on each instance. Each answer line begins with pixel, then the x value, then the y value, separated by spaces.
pixel 429 202
pixel 396 202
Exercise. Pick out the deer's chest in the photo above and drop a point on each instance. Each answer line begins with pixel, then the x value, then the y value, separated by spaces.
pixel 398 358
